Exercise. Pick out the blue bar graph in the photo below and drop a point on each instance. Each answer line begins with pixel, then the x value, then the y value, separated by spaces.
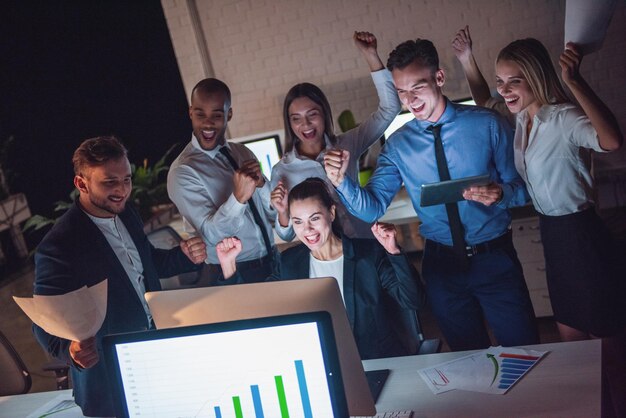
pixel 304 392
pixel 513 367
pixel 256 401
pixel 258 404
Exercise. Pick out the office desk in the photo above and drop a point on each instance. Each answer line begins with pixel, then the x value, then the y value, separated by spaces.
pixel 566 383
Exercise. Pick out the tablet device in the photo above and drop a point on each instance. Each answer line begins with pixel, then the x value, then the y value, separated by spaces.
pixel 450 191
pixel 265 367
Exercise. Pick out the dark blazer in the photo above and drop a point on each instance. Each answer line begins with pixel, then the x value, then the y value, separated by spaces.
pixel 372 279
pixel 75 254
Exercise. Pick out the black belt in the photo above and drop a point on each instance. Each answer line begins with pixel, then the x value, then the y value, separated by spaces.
pixel 502 241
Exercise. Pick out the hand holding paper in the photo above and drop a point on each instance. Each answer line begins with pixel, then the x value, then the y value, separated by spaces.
pixel 75 316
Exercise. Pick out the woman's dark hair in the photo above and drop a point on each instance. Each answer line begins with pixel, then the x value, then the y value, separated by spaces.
pixel 314 93
pixel 315 188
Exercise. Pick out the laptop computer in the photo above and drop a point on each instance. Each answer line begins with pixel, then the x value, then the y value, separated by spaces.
pixel 265 367
pixel 183 307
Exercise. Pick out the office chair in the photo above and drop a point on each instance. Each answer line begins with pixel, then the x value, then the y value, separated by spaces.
pixel 408 328
pixel 165 238
pixel 15 378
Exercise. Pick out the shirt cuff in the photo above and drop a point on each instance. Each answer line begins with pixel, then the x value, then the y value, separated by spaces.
pixel 232 206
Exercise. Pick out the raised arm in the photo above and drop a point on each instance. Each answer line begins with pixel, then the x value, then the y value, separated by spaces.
pixel 462 45
pixel 396 274
pixel 212 219
pixel 602 119
pixel 359 139
pixel 367 44
pixel 371 202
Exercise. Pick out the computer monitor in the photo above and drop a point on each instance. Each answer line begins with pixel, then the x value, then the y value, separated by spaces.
pixel 184 307
pixel 398 122
pixel 266 148
pixel 406 116
pixel 264 367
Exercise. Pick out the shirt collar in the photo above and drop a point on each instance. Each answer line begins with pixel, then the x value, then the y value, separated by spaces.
pixel 544 114
pixel 320 157
pixel 109 223
pixel 211 153
pixel 448 116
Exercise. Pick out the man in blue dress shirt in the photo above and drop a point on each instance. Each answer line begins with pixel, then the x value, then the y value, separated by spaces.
pixel 470 267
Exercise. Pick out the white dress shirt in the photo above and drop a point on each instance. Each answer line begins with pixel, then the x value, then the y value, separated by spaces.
pixel 331 268
pixel 200 183
pixel 124 248
pixel 292 169
pixel 550 161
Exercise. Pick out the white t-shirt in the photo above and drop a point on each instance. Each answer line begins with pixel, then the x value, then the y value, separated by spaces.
pixel 332 268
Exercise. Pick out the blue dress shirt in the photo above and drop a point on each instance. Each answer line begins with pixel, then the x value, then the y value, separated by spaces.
pixel 476 141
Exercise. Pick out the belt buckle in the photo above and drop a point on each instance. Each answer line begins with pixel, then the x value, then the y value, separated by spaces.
pixel 471 250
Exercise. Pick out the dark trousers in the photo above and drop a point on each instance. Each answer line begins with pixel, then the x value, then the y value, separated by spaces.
pixel 491 288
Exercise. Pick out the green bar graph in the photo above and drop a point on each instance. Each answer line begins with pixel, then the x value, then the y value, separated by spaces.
pixel 282 399
pixel 237 406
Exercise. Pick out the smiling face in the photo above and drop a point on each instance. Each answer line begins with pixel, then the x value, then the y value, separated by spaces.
pixel 514 88
pixel 306 119
pixel 419 89
pixel 312 222
pixel 104 189
pixel 209 113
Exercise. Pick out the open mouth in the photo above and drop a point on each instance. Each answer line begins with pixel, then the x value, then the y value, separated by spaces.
pixel 208 135
pixel 309 134
pixel 417 109
pixel 312 239
pixel 511 101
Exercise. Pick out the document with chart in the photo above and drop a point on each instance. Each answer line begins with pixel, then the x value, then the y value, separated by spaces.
pixel 494 370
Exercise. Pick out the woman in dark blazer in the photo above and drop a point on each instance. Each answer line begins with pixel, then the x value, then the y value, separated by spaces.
pixel 369 272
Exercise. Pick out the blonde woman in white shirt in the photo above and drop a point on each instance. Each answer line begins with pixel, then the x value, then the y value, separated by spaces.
pixel 309 132
pixel 550 132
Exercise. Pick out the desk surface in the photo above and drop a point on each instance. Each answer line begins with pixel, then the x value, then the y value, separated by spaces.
pixel 566 383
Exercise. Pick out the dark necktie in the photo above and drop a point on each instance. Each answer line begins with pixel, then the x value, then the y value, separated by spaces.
pixel 454 219
pixel 255 212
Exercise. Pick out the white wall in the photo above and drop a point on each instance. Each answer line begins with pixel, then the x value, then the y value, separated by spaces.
pixel 260 48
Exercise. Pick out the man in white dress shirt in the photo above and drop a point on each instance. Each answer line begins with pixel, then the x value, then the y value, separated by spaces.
pixel 220 190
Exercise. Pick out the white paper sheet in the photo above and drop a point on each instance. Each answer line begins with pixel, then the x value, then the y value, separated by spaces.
pixel 586 22
pixel 494 370
pixel 63 406
pixel 75 316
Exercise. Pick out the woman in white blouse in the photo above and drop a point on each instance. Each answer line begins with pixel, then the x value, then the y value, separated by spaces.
pixel 309 132
pixel 550 133
pixel 378 284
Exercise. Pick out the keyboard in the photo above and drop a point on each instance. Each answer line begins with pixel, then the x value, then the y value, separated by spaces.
pixel 391 414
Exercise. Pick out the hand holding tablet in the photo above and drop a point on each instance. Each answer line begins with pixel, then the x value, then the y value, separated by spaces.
pixel 451 190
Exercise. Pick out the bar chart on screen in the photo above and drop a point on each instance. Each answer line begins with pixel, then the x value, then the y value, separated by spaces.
pixel 236 374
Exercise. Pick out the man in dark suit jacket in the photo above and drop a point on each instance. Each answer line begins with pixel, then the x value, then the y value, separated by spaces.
pixel 98 238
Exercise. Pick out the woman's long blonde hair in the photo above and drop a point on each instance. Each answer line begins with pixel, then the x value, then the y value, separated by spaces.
pixel 536 65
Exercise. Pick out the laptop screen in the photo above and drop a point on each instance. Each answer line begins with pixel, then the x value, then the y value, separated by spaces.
pixel 267 367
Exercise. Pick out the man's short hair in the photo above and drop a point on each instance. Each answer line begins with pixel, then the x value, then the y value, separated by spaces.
pixel 97 151
pixel 210 86
pixel 421 50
